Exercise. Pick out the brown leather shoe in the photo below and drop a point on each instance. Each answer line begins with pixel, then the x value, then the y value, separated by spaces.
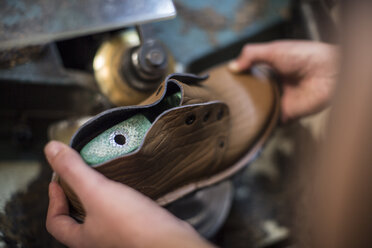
pixel 220 125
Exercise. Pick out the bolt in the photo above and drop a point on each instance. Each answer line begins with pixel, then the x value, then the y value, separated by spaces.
pixel 155 57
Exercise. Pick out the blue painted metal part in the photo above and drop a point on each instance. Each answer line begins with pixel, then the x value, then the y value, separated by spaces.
pixel 204 26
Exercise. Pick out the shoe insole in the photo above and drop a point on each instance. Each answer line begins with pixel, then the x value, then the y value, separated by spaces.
pixel 126 136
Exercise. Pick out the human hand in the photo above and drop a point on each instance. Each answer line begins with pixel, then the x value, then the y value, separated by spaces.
pixel 116 215
pixel 308 72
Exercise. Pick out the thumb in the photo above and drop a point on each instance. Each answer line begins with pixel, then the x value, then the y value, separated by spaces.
pixel 68 164
pixel 251 54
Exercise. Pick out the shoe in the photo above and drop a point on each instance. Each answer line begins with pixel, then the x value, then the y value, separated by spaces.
pixel 191 133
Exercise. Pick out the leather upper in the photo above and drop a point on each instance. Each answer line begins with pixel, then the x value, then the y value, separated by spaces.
pixel 217 123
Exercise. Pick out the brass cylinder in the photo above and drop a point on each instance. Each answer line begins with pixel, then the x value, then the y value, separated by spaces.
pixel 108 72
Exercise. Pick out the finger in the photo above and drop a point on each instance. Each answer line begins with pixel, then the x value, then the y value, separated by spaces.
pixel 58 223
pixel 68 164
pixel 295 103
pixel 253 53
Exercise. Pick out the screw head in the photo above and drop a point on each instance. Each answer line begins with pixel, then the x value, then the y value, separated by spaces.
pixel 155 57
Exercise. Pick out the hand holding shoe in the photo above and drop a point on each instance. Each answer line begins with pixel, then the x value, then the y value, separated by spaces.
pixel 116 215
pixel 308 71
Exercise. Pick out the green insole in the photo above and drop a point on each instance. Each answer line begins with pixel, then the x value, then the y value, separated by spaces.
pixel 126 136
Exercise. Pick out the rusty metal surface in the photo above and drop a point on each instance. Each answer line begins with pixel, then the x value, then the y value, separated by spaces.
pixel 13 57
pixel 201 27
pixel 24 22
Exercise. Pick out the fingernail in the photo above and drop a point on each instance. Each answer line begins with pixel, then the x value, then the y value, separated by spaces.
pixel 234 66
pixel 52 149
pixel 54 177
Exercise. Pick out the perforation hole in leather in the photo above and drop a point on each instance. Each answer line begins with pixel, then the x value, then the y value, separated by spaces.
pixel 220 114
pixel 221 144
pixel 190 119
pixel 206 116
